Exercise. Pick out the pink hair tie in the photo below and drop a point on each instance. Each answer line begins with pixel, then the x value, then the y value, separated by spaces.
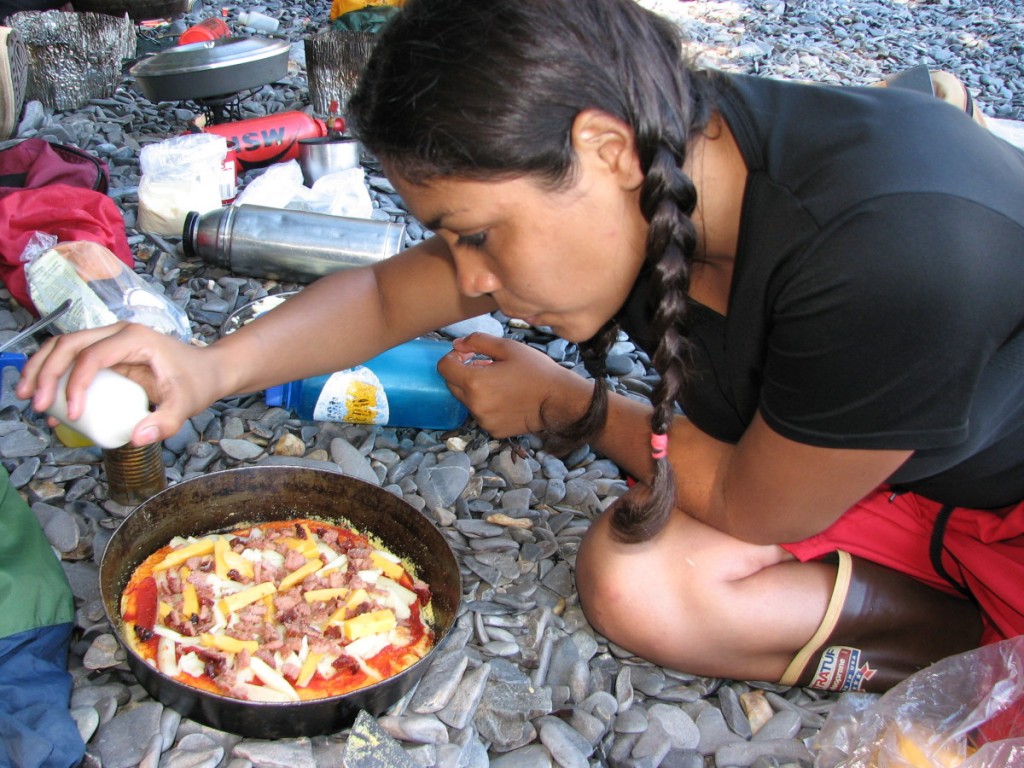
pixel 659 446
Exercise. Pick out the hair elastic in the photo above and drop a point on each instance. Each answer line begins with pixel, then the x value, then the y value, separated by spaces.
pixel 659 446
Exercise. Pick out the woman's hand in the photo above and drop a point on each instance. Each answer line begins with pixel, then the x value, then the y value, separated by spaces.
pixel 512 388
pixel 181 378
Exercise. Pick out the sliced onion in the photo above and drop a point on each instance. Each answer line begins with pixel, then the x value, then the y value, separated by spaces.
pixel 166 657
pixel 272 678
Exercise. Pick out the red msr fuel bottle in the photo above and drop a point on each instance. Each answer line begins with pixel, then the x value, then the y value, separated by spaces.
pixel 263 141
pixel 207 29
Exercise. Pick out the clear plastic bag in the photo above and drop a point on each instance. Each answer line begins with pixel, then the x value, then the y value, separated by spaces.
pixel 179 175
pixel 102 288
pixel 966 711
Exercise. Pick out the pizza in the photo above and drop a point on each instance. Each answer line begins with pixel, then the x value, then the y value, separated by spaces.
pixel 280 611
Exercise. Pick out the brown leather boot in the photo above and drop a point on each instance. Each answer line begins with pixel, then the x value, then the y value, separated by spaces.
pixel 880 627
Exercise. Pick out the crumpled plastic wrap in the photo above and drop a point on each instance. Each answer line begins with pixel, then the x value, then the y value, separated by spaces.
pixel 966 711
pixel 342 193
pixel 73 57
pixel 102 288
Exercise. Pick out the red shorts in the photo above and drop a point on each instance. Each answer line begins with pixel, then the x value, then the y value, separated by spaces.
pixel 981 551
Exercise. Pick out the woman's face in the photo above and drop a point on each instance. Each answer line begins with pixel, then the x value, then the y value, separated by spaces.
pixel 565 259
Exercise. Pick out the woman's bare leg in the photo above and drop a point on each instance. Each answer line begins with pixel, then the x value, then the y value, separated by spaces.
pixel 698 600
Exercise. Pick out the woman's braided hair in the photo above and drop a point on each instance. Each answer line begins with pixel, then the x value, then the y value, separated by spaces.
pixel 489 90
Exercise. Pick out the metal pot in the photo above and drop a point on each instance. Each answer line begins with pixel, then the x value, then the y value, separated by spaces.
pixel 212 68
pixel 234 498
pixel 323 155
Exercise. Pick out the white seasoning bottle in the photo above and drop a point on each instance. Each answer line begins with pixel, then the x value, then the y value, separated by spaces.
pixel 114 404
pixel 258 21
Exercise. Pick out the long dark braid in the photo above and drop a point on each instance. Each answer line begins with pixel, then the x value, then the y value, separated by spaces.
pixel 489 89
pixel 668 198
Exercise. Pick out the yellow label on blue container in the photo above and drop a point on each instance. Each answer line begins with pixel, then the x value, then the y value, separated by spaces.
pixel 355 396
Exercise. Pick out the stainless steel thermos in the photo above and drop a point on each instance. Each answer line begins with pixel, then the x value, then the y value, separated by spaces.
pixel 287 245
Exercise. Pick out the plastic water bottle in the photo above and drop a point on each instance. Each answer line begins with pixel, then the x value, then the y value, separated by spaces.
pixel 400 388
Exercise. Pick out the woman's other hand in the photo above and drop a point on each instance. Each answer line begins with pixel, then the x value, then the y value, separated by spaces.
pixel 512 388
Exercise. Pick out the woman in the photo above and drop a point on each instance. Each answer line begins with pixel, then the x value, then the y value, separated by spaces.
pixel 827 280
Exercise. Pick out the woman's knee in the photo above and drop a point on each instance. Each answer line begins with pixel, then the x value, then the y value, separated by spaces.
pixel 657 598
pixel 690 598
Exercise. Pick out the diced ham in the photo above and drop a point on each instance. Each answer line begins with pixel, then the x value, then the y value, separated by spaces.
pixel 293 559
pixel 291 670
pixel 422 591
pixel 286 601
pixel 345 663
pixel 264 654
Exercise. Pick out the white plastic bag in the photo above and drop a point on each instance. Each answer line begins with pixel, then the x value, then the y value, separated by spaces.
pixel 966 711
pixel 274 188
pixel 179 175
pixel 342 193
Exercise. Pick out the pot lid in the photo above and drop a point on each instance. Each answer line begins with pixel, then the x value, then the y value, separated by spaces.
pixel 210 55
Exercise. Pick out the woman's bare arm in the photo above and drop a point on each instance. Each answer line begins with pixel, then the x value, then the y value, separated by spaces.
pixel 340 320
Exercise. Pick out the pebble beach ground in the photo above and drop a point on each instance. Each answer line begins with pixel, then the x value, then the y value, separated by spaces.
pixel 523 681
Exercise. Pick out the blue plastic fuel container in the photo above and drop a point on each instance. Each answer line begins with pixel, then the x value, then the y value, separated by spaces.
pixel 400 388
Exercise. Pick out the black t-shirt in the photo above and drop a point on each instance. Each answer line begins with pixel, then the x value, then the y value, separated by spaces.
pixel 877 299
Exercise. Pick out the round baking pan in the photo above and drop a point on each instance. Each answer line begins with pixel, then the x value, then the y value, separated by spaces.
pixel 234 498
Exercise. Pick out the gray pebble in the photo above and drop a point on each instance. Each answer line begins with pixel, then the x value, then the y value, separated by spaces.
pixel 631 721
pixel 532 756
pixel 352 462
pixel 682 731
pixel 104 652
pixel 744 753
pixel 241 450
pixel 714 733
pixel 458 712
pixel 567 746
pixel 87 719
pixel 118 743
pixel 735 717
pixel 368 746
pixel 62 531
pixel 293 753
pixel 782 725
pixel 440 682
pixel 422 729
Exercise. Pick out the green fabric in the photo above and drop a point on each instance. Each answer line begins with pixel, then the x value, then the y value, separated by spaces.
pixel 365 19
pixel 34 591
